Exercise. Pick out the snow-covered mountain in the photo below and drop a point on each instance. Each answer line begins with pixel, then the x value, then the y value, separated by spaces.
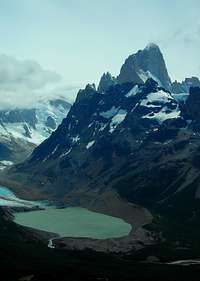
pixel 101 133
pixel 23 129
pixel 101 115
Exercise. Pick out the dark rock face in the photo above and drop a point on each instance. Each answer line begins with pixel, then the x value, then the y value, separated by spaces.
pixel 148 63
pixel 106 81
pixel 184 86
pixel 191 109
pixel 192 104
pixel 5 152
pixel 51 123
pixel 27 130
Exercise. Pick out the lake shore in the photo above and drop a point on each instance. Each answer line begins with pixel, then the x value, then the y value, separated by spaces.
pixel 108 203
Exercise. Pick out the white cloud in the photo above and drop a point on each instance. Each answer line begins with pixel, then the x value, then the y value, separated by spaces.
pixel 26 74
pixel 24 83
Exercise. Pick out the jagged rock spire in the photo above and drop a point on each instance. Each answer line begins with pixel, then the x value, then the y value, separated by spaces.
pixel 147 63
pixel 106 81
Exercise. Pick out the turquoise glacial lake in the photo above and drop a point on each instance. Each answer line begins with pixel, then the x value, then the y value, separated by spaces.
pixel 74 222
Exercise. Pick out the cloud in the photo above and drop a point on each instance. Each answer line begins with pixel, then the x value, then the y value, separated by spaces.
pixel 16 74
pixel 24 83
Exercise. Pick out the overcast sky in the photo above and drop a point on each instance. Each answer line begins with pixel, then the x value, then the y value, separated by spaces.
pixel 81 39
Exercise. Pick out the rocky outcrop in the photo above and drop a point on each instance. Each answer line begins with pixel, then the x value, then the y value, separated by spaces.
pixel 106 81
pixel 192 104
pixel 184 86
pixel 147 63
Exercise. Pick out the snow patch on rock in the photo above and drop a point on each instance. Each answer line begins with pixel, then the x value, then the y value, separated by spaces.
pixel 133 91
pixel 75 139
pixel 66 153
pixel 157 99
pixel 110 113
pixel 4 164
pixel 163 115
pixel 117 119
pixel 90 144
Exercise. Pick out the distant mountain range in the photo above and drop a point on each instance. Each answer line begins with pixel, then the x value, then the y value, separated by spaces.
pixel 21 130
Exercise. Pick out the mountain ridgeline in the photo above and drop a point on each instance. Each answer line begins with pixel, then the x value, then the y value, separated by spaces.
pixel 132 136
